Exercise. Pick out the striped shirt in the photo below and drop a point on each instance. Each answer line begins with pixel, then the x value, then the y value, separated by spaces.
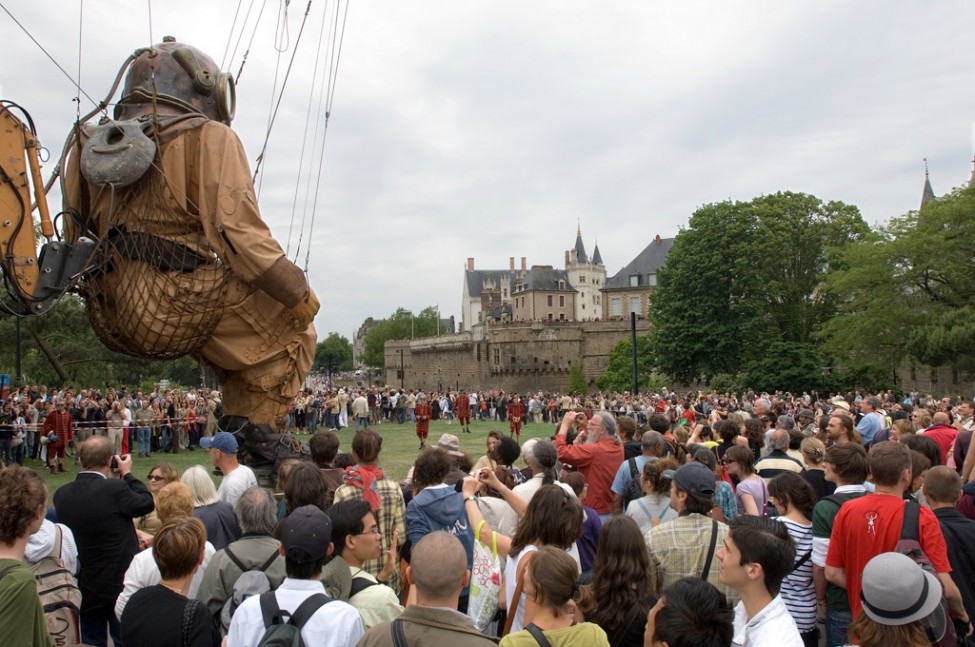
pixel 798 591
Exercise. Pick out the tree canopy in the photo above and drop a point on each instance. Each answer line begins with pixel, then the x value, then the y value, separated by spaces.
pixel 333 353
pixel 908 294
pixel 402 324
pixel 619 372
pixel 743 283
pixel 65 332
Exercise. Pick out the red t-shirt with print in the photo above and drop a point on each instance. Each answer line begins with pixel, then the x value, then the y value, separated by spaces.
pixel 870 525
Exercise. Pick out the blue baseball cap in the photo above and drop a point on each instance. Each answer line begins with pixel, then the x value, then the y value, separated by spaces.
pixel 221 440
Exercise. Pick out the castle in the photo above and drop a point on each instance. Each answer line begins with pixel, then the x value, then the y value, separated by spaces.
pixel 524 328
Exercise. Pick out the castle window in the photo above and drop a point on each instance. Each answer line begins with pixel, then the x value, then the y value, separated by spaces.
pixel 561 316
pixel 561 300
pixel 550 317
pixel 550 301
pixel 635 304
pixel 652 280
pixel 561 284
pixel 582 278
pixel 615 306
pixel 634 280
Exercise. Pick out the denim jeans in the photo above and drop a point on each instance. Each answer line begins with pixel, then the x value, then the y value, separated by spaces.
pixel 836 624
pixel 94 623
pixel 142 433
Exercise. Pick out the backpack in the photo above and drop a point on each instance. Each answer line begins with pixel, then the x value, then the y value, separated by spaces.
pixel 938 627
pixel 251 582
pixel 60 596
pixel 633 489
pixel 279 632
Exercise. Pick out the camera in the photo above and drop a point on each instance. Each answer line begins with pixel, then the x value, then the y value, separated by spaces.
pixel 114 463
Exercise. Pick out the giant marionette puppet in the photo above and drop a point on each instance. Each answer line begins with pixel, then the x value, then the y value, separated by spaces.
pixel 164 240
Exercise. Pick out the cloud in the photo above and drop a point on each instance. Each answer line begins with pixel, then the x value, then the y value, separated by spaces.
pixel 489 129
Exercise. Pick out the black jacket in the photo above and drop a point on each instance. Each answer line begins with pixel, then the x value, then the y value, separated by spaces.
pixel 99 511
pixel 959 532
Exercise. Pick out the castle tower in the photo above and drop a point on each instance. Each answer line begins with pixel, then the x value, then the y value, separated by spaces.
pixel 587 276
pixel 927 194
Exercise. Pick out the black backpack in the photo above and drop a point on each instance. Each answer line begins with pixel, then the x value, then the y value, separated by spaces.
pixel 938 627
pixel 287 633
pixel 633 489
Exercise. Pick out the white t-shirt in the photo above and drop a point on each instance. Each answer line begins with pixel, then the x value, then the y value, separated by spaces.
pixel 773 626
pixel 234 484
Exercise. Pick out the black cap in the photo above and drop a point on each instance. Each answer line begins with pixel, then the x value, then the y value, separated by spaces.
pixel 306 534
pixel 694 478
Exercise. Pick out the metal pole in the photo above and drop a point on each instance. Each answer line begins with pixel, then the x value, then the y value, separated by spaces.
pixel 402 370
pixel 17 341
pixel 636 382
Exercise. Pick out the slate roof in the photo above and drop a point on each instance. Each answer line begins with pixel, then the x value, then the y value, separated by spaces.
pixel 477 278
pixel 547 280
pixel 649 261
pixel 580 249
pixel 927 195
pixel 596 257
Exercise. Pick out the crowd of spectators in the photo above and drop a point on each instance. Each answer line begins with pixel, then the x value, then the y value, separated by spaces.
pixel 751 519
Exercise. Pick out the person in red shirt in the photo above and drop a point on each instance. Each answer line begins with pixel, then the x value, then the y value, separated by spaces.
pixel 422 413
pixel 516 413
pixel 462 405
pixel 58 428
pixel 870 525
pixel 597 452
pixel 942 433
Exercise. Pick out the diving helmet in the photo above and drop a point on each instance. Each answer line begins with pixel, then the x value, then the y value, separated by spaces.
pixel 176 77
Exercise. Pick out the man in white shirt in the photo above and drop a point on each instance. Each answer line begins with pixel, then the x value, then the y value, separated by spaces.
pixel 756 556
pixel 223 454
pixel 306 540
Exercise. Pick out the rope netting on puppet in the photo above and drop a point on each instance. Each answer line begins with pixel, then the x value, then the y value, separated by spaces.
pixel 158 289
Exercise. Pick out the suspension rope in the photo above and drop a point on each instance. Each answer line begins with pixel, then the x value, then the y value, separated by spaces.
pixel 250 43
pixel 304 140
pixel 333 76
pixel 51 58
pixel 284 84
pixel 230 35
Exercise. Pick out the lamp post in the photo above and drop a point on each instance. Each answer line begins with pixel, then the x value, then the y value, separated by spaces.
pixel 402 370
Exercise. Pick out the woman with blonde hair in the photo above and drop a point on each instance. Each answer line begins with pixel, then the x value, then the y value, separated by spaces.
pixel 160 475
pixel 813 455
pixel 217 516
pixel 551 583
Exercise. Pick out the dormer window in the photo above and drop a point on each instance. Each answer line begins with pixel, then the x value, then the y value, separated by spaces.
pixel 634 280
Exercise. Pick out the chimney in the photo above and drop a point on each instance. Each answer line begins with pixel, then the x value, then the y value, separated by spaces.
pixel 470 263
pixel 511 263
pixel 656 240
pixel 524 265
pixel 566 258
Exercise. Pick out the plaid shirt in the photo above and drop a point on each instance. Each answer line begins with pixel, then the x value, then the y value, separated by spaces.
pixel 679 549
pixel 391 516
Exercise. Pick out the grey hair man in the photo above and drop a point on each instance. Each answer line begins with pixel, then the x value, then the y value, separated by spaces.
pixel 256 550
pixel 778 460
pixel 598 456
pixel 653 445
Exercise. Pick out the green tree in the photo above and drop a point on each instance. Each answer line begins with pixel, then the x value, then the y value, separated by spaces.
pixel 907 293
pixel 334 352
pixel 746 275
pixel 402 324
pixel 64 330
pixel 577 381
pixel 619 372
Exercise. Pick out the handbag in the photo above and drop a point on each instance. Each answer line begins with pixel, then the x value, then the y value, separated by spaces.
pixel 17 440
pixel 485 585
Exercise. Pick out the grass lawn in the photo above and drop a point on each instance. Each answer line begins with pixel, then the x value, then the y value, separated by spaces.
pixel 399 449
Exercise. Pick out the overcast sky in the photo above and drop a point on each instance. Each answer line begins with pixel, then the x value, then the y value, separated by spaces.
pixel 490 129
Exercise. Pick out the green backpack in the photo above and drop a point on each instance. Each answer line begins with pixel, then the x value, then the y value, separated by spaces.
pixel 287 633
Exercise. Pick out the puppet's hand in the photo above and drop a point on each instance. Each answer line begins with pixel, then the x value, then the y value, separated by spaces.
pixel 303 312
